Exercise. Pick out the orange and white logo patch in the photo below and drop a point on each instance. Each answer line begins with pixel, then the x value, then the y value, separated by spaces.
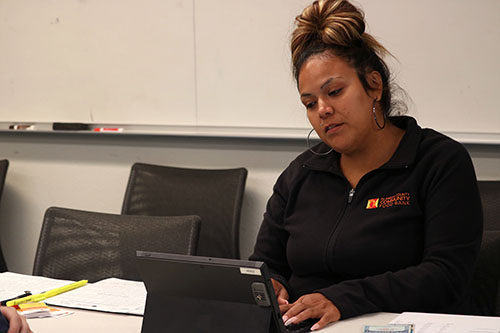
pixel 399 199
pixel 372 203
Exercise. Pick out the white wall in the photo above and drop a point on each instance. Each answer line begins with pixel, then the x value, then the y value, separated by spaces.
pixel 88 172
pixel 91 172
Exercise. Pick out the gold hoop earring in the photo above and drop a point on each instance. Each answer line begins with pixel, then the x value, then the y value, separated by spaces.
pixel 375 115
pixel 315 152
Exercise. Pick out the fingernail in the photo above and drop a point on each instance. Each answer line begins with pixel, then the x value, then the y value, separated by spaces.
pixel 290 321
pixel 314 327
pixel 285 318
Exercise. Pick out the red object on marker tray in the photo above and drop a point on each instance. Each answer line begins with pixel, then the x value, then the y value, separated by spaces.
pixel 108 129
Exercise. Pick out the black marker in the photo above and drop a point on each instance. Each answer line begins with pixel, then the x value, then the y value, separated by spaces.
pixel 26 293
pixel 70 127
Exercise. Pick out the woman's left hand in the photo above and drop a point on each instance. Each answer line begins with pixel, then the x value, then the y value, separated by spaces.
pixel 311 306
pixel 17 322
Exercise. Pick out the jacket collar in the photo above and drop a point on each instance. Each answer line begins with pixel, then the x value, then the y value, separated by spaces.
pixel 404 156
pixel 407 151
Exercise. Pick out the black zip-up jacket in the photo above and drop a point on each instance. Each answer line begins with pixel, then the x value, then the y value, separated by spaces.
pixel 4 324
pixel 405 239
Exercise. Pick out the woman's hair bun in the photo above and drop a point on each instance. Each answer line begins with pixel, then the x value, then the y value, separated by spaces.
pixel 327 22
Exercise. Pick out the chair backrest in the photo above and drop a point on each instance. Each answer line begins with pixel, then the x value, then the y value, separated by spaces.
pixel 490 198
pixel 4 165
pixel 76 244
pixel 214 195
pixel 485 288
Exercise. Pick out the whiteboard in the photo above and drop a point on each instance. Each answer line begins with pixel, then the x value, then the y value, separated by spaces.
pixel 222 66
pixel 97 61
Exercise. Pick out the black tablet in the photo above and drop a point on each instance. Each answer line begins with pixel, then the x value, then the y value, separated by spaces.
pixel 203 294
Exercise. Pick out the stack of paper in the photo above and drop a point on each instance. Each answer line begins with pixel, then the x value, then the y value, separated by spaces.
pixel 110 295
pixel 443 323
pixel 40 310
pixel 13 284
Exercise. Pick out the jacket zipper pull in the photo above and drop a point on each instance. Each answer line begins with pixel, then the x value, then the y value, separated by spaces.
pixel 351 194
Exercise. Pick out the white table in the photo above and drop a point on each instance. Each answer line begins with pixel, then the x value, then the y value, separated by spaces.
pixel 83 321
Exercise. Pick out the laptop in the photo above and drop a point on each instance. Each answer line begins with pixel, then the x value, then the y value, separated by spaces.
pixel 203 294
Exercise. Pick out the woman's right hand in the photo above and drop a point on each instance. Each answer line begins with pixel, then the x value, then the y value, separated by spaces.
pixel 280 292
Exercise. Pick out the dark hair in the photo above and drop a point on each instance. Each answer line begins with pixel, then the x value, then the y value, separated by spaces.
pixel 338 27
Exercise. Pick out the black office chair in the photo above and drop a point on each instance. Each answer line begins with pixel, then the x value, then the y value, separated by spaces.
pixel 4 165
pixel 76 244
pixel 214 195
pixel 485 288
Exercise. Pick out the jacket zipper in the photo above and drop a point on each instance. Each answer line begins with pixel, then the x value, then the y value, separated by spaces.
pixel 351 194
pixel 331 242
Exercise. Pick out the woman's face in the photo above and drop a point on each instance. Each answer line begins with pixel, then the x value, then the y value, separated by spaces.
pixel 338 107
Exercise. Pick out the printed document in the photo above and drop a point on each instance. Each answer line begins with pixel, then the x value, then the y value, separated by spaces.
pixel 109 295
pixel 442 323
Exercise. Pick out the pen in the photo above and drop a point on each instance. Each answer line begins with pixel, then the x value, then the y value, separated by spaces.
pixel 47 294
pixel 26 293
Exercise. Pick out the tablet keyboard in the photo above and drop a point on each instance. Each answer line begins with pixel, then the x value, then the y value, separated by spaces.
pixel 302 327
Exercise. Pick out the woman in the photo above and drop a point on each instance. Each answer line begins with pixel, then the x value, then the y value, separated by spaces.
pixel 382 215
